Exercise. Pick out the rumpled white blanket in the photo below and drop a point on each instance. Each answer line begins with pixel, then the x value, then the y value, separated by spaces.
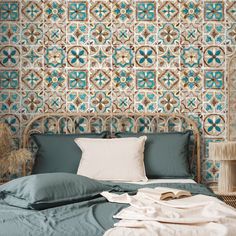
pixel 198 215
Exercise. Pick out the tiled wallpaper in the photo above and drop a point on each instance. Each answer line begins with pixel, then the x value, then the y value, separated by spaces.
pixel 118 56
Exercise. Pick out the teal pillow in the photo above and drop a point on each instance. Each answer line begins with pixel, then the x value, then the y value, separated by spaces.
pixel 50 190
pixel 59 152
pixel 166 155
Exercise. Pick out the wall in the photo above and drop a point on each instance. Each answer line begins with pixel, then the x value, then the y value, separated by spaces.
pixel 118 56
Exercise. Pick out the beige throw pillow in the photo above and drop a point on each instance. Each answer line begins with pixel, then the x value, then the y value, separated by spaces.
pixel 119 159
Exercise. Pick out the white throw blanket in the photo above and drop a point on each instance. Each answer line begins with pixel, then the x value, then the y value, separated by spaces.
pixel 198 215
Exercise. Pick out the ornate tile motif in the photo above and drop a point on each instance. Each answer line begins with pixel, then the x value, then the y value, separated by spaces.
pixel 77 56
pixel 191 79
pixel 168 56
pixel 145 79
pixel 77 101
pixel 100 11
pixel 168 11
pixel 9 11
pixel 168 79
pixel 214 56
pixel 213 11
pixel 191 34
pixel 55 79
pixel 120 56
pixel 32 101
pixel 32 56
pixel 214 33
pixel 9 79
pixel 9 33
pixel 168 33
pixel 123 80
pixel 214 102
pixel 32 10
pixel 32 79
pixel 168 101
pixel 100 56
pixel 9 56
pixel 145 102
pixel 122 102
pixel 145 33
pixel 100 79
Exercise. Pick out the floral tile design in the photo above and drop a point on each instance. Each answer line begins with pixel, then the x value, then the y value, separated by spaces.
pixel 119 56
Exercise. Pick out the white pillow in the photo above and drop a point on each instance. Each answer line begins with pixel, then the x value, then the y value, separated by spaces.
pixel 119 159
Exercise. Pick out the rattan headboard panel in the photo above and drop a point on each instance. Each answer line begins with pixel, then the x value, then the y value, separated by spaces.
pixel 91 122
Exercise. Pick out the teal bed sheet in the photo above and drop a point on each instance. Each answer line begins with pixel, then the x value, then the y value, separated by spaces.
pixel 87 218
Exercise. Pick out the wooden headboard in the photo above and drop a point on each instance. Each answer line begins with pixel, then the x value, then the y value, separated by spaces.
pixel 91 122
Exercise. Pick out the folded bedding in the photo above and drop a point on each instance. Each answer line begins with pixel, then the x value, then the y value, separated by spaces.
pixel 87 214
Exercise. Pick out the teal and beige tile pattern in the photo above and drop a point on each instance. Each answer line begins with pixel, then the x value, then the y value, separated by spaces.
pixel 118 56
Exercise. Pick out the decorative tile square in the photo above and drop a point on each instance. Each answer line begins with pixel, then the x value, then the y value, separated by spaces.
pixel 55 11
pixel 32 10
pixel 145 56
pixel 123 11
pixel 122 102
pixel 123 56
pixel 9 101
pixel 77 33
pixel 9 79
pixel 32 33
pixel 100 34
pixel 191 34
pixel 191 11
pixel 9 11
pixel 122 34
pixel 214 79
pixel 191 79
pixel 32 79
pixel 214 56
pixel 32 56
pixel 230 11
pixel 168 79
pixel 145 33
pixel 191 56
pixel 77 79
pixel 78 11
pixel 168 101
pixel 9 56
pixel 168 56
pixel 214 33
pixel 168 33
pixel 231 34
pixel 213 10
pixel 32 101
pixel 100 11
pixel 55 80
pixel 77 101
pixel 13 122
pixel 100 79
pixel 146 11
pixel 214 102
pixel 77 56
pixel 100 56
pixel 168 11
pixel 145 79
pixel 191 101
pixel 123 80
pixel 214 125
pixel 9 33
pixel 100 101
pixel 145 102
pixel 55 34
pixel 54 101
pixel 55 57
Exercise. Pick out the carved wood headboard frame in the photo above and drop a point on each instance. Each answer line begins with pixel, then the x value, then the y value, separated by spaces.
pixel 133 122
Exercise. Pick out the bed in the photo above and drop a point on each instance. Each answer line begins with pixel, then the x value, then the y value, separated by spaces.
pixel 89 212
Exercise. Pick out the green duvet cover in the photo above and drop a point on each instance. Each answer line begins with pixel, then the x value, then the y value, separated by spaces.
pixel 86 218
